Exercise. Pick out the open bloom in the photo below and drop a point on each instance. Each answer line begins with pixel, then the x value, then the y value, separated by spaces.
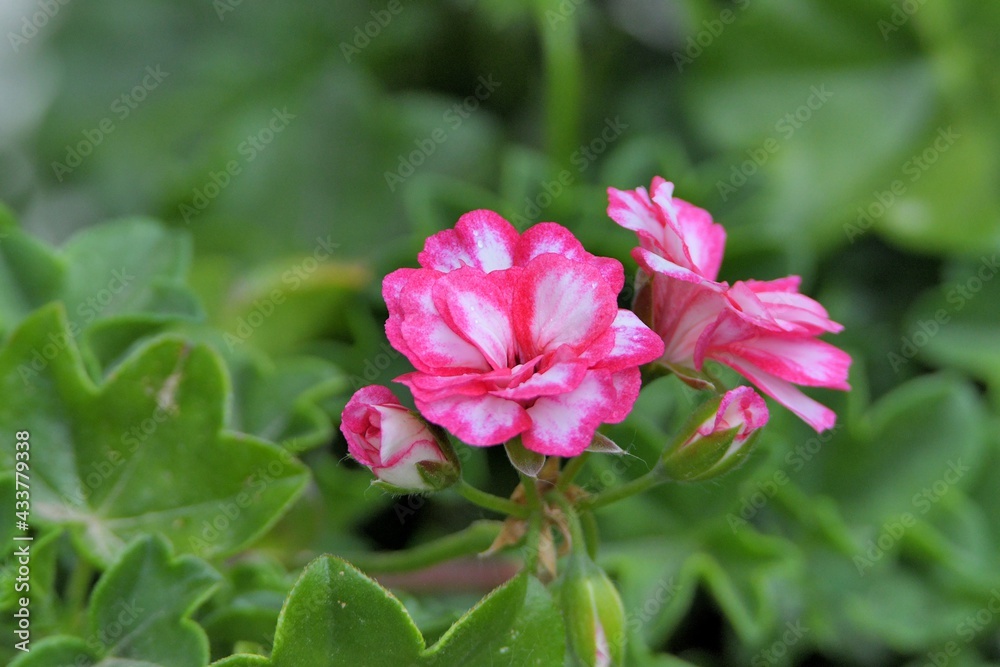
pixel 717 439
pixel 396 444
pixel 517 335
pixel 764 330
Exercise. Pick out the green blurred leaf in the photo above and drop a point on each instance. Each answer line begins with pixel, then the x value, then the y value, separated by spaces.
pixel 141 453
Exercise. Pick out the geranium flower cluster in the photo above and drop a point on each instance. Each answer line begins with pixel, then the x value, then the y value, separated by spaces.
pixel 764 330
pixel 519 337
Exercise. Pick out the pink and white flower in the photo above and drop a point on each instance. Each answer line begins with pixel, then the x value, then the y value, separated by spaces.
pixel 398 446
pixel 765 330
pixel 517 335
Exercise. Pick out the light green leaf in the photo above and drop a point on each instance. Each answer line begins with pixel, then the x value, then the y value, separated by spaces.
pixel 143 452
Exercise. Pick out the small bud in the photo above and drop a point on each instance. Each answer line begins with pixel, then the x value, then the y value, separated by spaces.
pixel 718 437
pixel 594 613
pixel 404 452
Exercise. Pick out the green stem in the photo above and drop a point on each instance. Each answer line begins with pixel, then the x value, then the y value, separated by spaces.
pixel 570 470
pixel 77 591
pixel 489 501
pixel 563 75
pixel 575 529
pixel 534 536
pixel 591 533
pixel 475 539
pixel 638 485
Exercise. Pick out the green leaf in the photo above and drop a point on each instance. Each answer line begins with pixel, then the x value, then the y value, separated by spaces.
pixel 517 624
pixel 150 596
pixel 335 615
pixel 119 281
pixel 139 613
pixel 141 453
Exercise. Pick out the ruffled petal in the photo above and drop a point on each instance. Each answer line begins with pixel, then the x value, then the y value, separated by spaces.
pixel 564 425
pixel 481 239
pixel 477 420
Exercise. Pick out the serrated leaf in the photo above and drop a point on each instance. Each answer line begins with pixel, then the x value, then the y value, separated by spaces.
pixel 141 453
pixel 150 596
pixel 517 624
pixel 335 615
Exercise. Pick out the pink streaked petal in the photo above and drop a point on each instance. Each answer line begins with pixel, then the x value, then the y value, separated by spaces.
pixel 403 471
pixel 741 407
pixel 770 305
pixel 480 420
pixel 559 379
pixel 481 239
pixel 429 387
pixel 691 237
pixel 549 237
pixel 356 411
pixel 400 430
pixel 810 411
pixel 476 305
pixel 654 263
pixel 561 302
pixel 804 361
pixel 627 384
pixel 393 286
pixel 634 343
pixel 634 210
pixel 683 314
pixel 433 345
pixel 564 425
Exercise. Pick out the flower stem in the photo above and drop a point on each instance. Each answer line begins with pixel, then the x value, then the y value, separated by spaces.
pixel 563 74
pixel 532 543
pixel 575 529
pixel 476 538
pixel 637 485
pixel 570 470
pixel 591 533
pixel 77 591
pixel 490 501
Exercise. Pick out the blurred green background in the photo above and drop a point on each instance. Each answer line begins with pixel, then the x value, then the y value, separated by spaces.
pixel 853 142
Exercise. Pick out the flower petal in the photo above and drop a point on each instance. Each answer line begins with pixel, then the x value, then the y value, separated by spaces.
pixel 564 425
pixel 481 239
pixel 549 237
pixel 477 420
pixel 634 343
pixel 476 305
pixel 431 344
pixel 559 379
pixel 810 411
pixel 561 302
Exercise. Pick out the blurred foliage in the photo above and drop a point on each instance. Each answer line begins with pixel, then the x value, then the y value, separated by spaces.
pixel 854 142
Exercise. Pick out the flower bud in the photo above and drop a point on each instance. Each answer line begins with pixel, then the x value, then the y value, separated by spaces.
pixel 718 437
pixel 594 613
pixel 404 452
